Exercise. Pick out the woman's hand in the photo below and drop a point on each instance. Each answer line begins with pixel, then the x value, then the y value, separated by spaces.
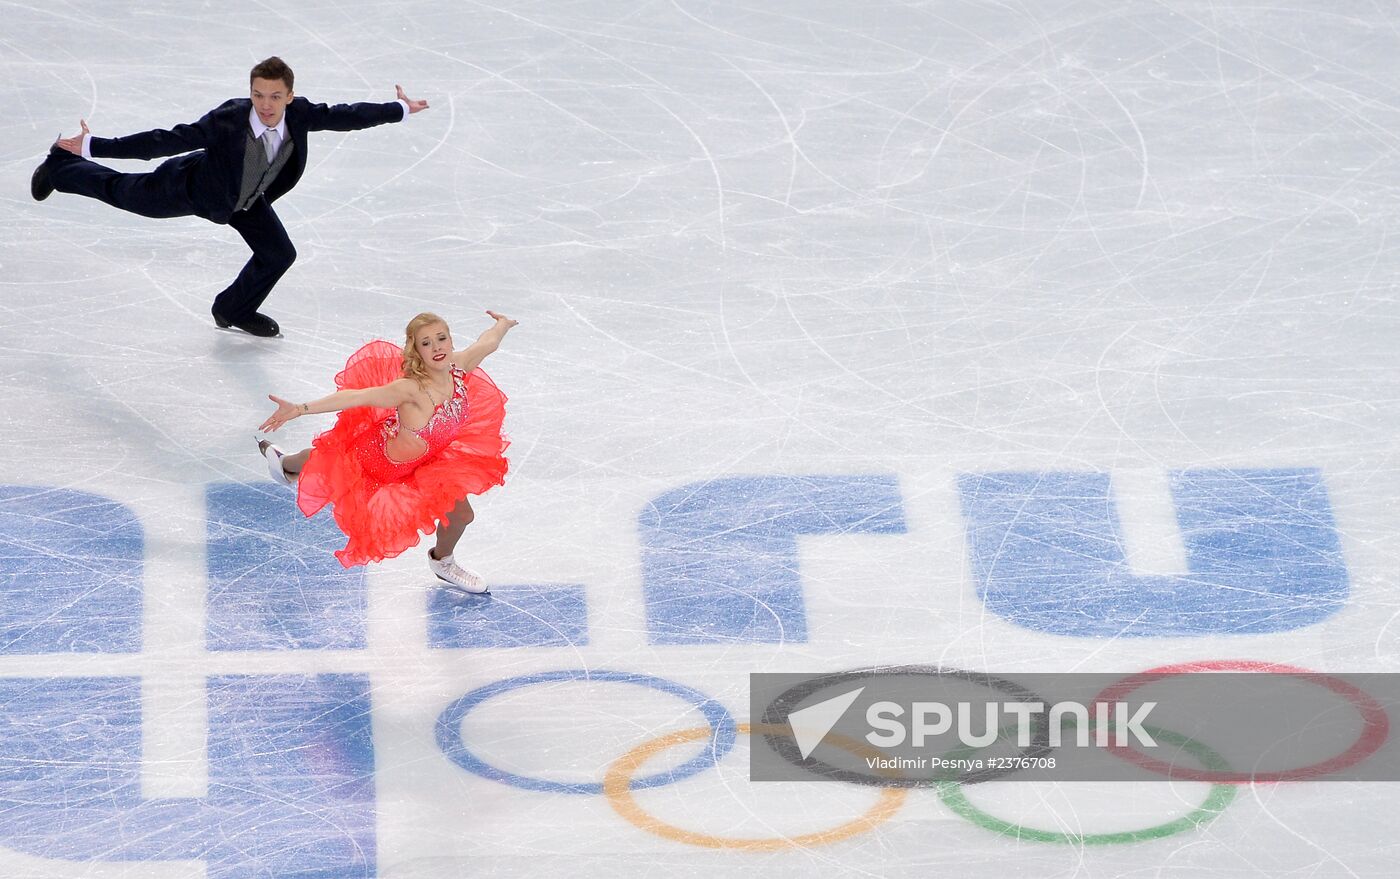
pixel 286 411
pixel 501 318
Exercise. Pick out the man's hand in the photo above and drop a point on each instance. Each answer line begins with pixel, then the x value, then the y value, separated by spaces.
pixel 74 144
pixel 413 106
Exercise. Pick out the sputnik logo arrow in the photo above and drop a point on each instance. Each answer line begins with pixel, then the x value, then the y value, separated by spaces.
pixel 811 724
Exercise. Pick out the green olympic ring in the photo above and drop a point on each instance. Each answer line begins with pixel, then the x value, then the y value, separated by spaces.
pixel 1221 795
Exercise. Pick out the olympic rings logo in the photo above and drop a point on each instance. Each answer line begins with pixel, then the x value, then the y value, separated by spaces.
pixel 781 707
pixel 617 786
pixel 449 730
pixel 1374 731
pixel 620 779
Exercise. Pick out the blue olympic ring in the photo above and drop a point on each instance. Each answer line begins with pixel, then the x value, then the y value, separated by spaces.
pixel 449 730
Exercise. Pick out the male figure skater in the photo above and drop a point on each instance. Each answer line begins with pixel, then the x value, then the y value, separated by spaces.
pixel 229 168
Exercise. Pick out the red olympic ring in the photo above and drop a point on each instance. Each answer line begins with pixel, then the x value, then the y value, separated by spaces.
pixel 1375 729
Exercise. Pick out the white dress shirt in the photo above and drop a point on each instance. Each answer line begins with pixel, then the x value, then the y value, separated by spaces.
pixel 259 128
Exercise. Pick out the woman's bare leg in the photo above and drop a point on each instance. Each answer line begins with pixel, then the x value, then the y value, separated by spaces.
pixel 450 529
pixel 292 464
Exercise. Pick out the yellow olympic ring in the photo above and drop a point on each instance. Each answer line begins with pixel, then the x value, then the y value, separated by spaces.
pixel 617 785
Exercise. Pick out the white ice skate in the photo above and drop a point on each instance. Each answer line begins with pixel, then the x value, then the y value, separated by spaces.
pixel 274 458
pixel 457 577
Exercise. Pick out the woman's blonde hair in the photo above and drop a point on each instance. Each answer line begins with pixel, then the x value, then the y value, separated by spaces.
pixel 413 365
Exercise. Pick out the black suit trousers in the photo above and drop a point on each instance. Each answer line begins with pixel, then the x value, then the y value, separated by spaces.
pixel 273 254
pixel 163 193
pixel 160 193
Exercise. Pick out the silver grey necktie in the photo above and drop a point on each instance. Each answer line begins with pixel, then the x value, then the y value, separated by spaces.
pixel 271 141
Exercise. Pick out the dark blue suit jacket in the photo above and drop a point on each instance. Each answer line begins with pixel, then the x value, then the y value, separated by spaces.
pixel 213 173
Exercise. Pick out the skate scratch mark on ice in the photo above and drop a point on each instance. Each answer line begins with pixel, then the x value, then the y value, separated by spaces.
pixel 721 588
pixel 34 63
pixel 1142 142
pixel 1099 369
pixel 272 796
pixel 734 35
pixel 946 130
pixel 1108 642
pixel 579 41
pixel 1043 37
pixel 794 151
pixel 493 75
pixel 563 111
pixel 167 292
pixel 628 346
pixel 1381 635
pixel 573 648
pixel 723 244
pixel 1257 791
pixel 179 444
pixel 821 349
pixel 709 160
pixel 446 135
pixel 38 550
pixel 316 37
pixel 1217 44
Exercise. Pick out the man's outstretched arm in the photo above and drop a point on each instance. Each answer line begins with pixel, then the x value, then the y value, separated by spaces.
pixel 152 144
pixel 352 117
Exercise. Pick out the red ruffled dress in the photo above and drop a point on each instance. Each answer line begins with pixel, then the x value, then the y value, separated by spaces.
pixel 384 505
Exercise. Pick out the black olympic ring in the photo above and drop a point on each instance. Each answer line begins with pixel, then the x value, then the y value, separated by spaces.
pixel 776 715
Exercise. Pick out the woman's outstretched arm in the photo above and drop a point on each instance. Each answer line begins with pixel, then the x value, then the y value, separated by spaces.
pixel 470 357
pixel 388 396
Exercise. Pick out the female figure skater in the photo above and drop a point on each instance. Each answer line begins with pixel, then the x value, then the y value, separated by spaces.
pixel 419 429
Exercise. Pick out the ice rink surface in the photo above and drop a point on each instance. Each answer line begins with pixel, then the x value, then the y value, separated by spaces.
pixel 1009 337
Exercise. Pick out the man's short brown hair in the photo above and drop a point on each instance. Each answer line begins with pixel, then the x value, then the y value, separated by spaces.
pixel 272 68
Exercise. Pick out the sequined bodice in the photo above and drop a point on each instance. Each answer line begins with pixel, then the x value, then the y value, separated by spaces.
pixel 445 421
